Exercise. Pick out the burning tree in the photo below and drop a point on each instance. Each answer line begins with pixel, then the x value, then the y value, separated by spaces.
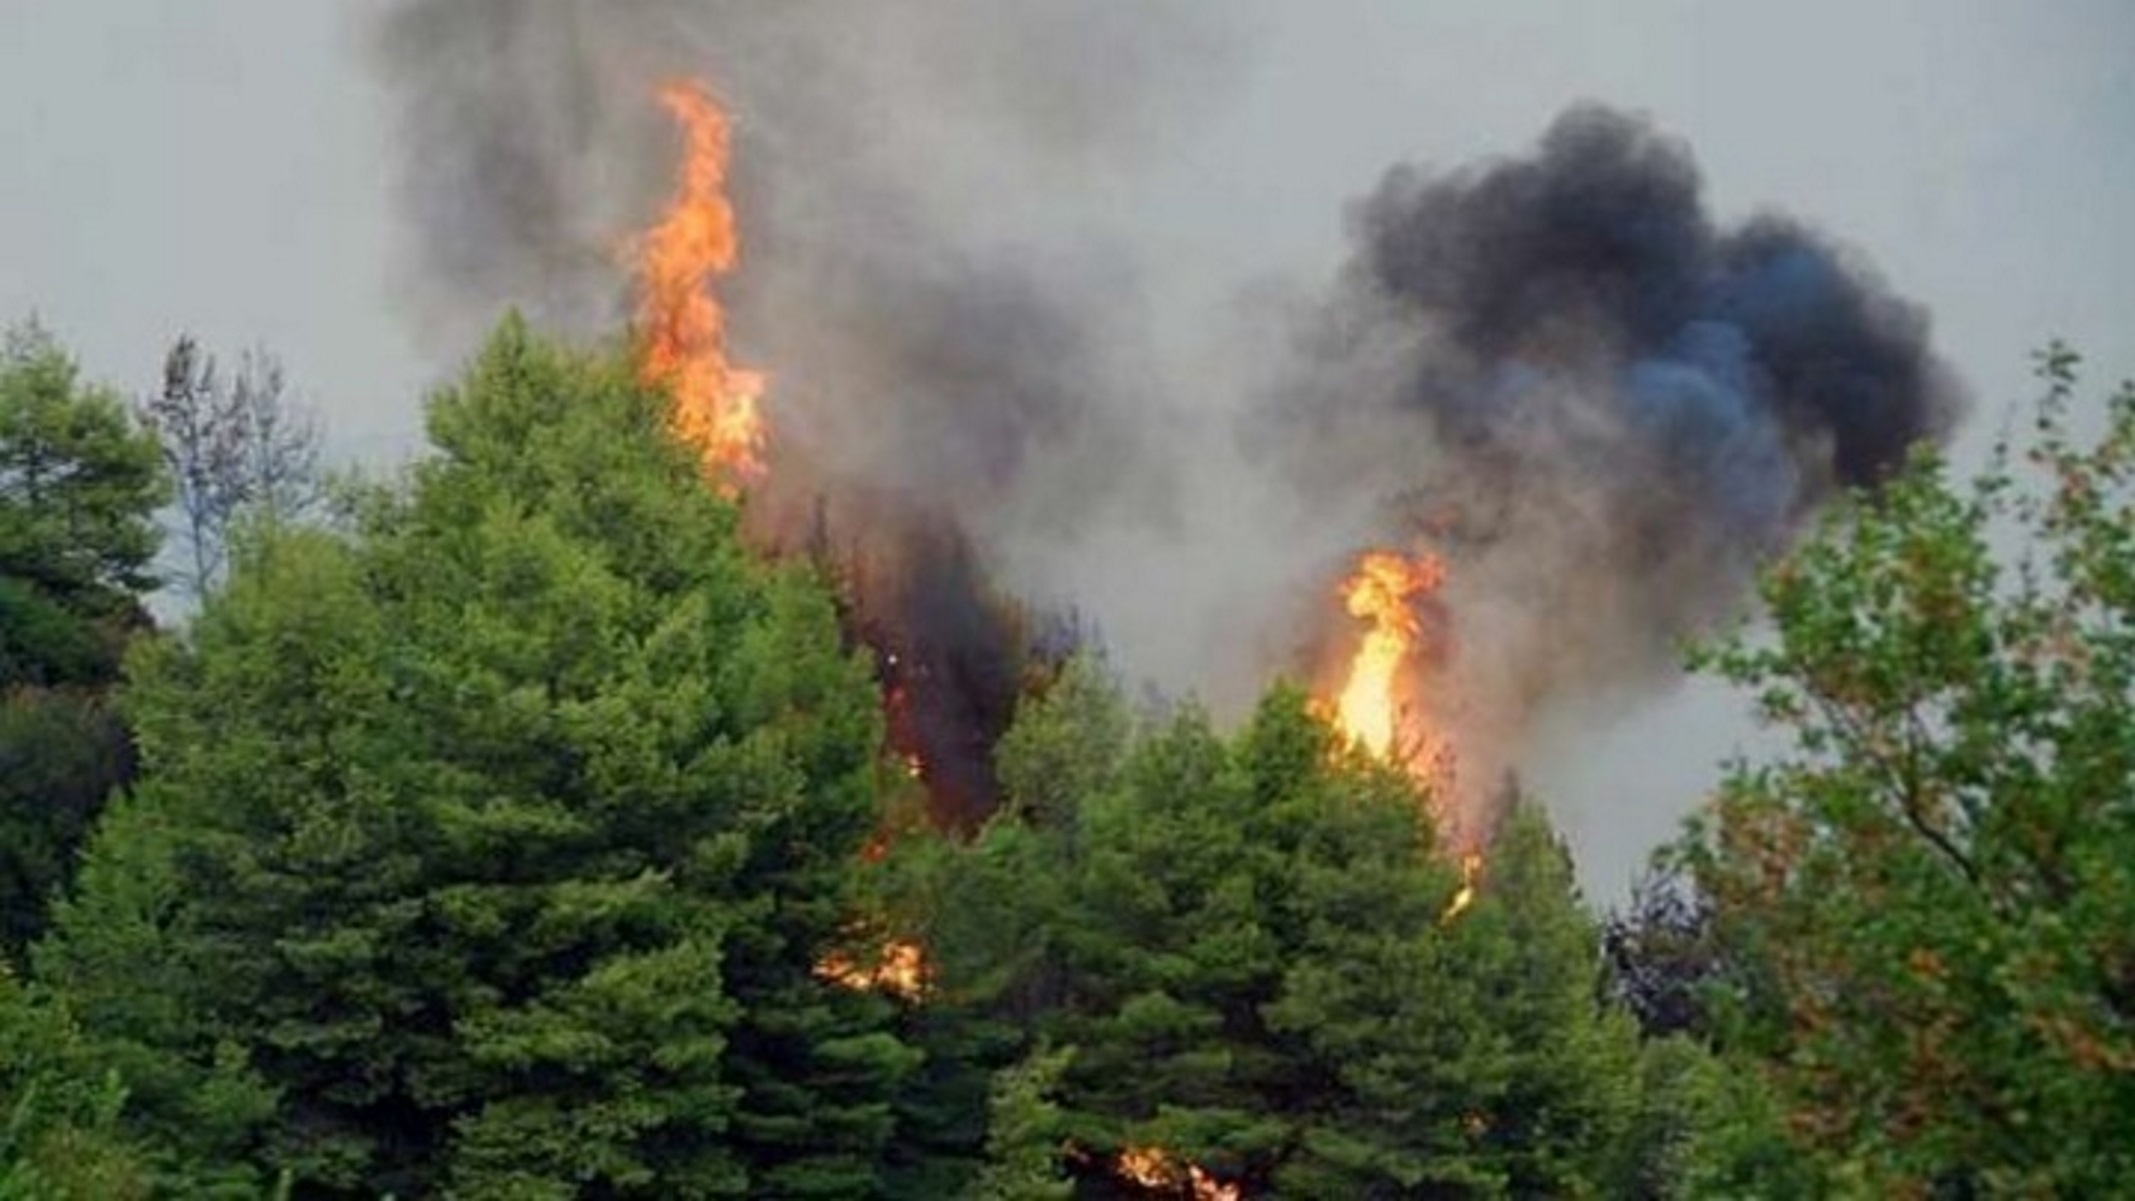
pixel 1239 946
pixel 681 324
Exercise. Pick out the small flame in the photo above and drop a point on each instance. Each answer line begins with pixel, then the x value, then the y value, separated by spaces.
pixel 900 970
pixel 681 322
pixel 1471 868
pixel 1149 1167
pixel 1157 1169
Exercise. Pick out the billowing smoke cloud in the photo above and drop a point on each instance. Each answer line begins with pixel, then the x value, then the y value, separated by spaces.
pixel 1557 371
pixel 1599 404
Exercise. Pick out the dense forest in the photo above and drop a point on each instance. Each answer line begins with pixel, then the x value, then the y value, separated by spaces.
pixel 510 828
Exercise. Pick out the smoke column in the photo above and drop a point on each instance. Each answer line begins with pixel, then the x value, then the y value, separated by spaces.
pixel 1600 405
pixel 950 362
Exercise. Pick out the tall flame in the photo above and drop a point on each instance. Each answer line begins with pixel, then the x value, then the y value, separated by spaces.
pixel 680 321
pixel 1383 592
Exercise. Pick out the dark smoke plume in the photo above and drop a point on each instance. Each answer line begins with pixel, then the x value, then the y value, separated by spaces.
pixel 1559 371
pixel 1601 404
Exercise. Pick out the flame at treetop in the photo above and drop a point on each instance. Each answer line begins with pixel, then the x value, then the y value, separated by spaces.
pixel 680 322
pixel 1383 592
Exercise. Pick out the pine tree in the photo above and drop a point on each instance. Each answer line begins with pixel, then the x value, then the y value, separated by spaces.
pixel 79 487
pixel 504 832
pixel 1241 948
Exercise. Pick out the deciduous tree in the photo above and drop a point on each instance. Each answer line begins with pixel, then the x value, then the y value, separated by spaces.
pixel 1937 883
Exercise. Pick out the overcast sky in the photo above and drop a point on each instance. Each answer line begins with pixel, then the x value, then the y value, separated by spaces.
pixel 221 167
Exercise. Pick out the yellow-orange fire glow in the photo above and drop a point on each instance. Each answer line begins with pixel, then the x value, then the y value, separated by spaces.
pixel 716 405
pixel 1376 708
pixel 1471 868
pixel 900 970
pixel 1383 591
pixel 1156 1168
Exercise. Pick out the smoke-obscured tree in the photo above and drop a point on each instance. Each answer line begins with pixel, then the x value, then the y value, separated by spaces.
pixel 498 839
pixel 235 445
pixel 1937 883
pixel 1241 946
pixel 1664 956
pixel 79 486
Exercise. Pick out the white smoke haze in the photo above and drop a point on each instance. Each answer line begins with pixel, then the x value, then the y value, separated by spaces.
pixel 1556 369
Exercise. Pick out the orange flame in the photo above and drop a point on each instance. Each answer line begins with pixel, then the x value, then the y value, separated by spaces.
pixel 1157 1169
pixel 901 971
pixel 1383 592
pixel 683 327
pixel 1374 708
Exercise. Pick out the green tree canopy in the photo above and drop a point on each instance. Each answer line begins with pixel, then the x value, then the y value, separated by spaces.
pixel 1239 952
pixel 496 842
pixel 1935 889
pixel 79 487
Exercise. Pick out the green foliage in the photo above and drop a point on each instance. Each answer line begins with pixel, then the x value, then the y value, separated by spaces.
pixel 62 752
pixel 79 487
pixel 1706 1128
pixel 1240 947
pixel 60 1136
pixel 1937 886
pixel 1026 1133
pixel 120 980
pixel 493 845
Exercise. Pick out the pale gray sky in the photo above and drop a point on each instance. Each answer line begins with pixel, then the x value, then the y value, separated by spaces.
pixel 221 167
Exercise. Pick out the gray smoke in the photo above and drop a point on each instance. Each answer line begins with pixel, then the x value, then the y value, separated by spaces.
pixel 928 318
pixel 952 349
pixel 1600 405
pixel 1558 371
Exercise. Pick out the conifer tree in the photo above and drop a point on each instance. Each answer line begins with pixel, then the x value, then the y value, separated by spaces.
pixel 79 487
pixel 501 834
pixel 1240 948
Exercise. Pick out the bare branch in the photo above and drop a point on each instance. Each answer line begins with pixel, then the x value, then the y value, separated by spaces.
pixel 235 448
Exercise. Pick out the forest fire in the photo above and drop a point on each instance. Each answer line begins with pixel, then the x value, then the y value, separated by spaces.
pixel 900 969
pixel 681 323
pixel 1380 707
pixel 1159 1171
pixel 715 404
pixel 716 408
pixel 1371 709
pixel 1377 708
